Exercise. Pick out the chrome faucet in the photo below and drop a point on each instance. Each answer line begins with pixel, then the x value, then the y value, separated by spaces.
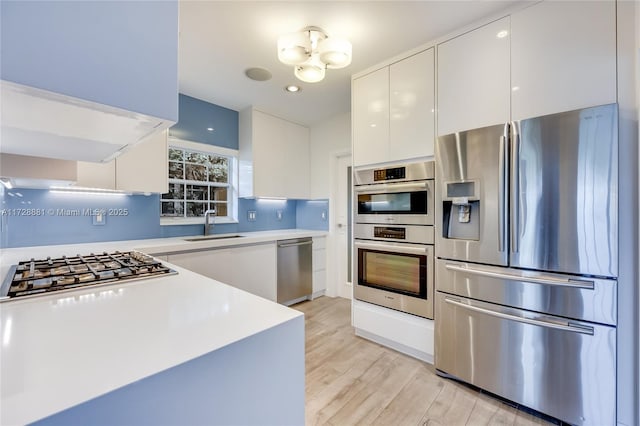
pixel 207 224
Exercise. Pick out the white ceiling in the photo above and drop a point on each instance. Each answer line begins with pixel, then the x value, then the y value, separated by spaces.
pixel 220 39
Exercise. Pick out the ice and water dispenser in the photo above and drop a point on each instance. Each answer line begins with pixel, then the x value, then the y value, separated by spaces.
pixel 461 210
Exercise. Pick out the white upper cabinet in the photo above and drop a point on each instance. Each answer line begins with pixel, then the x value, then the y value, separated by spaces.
pixel 412 106
pixel 96 175
pixel 563 57
pixel 393 111
pixel 370 118
pixel 143 168
pixel 473 78
pixel 274 156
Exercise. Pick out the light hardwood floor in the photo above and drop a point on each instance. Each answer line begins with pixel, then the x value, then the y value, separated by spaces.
pixel 353 381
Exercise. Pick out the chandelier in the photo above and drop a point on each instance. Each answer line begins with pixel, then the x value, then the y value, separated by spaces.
pixel 311 52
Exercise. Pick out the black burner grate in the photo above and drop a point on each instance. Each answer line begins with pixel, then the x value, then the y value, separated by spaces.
pixel 46 275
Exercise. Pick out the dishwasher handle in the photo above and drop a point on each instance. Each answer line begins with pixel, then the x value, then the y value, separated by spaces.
pixel 303 243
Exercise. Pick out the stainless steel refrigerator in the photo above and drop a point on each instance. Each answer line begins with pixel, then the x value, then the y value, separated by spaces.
pixel 526 241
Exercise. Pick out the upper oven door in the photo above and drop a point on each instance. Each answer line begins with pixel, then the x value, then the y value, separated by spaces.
pixel 408 203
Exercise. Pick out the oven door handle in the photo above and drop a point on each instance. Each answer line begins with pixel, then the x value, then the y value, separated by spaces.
pixel 542 279
pixel 392 187
pixel 568 326
pixel 393 248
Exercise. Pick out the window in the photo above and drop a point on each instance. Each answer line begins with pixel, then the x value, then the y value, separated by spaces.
pixel 201 178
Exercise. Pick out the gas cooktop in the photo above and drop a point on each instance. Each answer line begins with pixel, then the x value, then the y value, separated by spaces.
pixel 37 277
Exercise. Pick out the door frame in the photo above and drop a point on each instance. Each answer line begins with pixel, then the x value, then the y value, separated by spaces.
pixel 336 286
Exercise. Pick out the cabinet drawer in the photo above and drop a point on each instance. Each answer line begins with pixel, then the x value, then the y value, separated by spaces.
pixel 319 260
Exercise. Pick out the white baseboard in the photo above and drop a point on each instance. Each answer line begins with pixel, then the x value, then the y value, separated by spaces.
pixel 407 350
pixel 317 294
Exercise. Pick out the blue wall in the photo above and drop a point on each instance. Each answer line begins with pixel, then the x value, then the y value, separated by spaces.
pixel 197 116
pixel 312 214
pixel 60 218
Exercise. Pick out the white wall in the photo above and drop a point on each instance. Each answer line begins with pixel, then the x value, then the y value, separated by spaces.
pixel 327 139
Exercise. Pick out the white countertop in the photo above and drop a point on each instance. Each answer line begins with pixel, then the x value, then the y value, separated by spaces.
pixel 61 350
pixel 169 245
pixel 153 246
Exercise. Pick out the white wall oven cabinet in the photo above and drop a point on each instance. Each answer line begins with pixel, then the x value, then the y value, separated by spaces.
pixel 393 237
pixel 393 111
pixel 370 117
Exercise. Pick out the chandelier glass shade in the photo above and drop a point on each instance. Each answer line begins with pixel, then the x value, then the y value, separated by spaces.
pixel 311 52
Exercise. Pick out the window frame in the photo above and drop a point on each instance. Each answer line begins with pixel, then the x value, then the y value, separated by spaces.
pixel 232 189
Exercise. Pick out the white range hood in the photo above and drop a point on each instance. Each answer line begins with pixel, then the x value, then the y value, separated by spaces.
pixel 40 123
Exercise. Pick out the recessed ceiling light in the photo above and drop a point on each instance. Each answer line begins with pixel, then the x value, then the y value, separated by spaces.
pixel 210 129
pixel 292 88
pixel 502 34
pixel 258 74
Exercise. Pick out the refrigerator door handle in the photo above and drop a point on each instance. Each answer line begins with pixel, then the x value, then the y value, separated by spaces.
pixel 568 326
pixel 502 196
pixel 541 279
pixel 515 186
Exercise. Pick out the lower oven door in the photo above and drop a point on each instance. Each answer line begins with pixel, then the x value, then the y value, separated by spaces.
pixel 563 368
pixel 394 275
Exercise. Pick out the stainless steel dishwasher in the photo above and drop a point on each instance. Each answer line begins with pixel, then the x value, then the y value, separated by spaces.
pixel 294 270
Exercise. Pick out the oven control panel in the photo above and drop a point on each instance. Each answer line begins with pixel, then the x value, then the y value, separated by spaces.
pixel 389 174
pixel 389 232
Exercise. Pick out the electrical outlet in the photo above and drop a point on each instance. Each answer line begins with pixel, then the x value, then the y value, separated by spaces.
pixel 324 215
pixel 99 218
pixel 251 215
pixel 279 214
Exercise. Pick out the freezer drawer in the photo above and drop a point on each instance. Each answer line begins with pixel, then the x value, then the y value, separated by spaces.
pixel 563 368
pixel 581 298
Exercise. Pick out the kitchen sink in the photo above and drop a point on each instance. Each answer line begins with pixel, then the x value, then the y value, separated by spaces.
pixel 213 237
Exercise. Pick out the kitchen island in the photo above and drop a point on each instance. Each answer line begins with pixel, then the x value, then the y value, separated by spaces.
pixel 179 349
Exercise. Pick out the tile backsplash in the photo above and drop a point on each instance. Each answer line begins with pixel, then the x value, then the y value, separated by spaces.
pixel 34 217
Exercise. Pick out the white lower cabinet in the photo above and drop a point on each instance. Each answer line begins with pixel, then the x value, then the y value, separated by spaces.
pixel 405 333
pixel 319 267
pixel 251 268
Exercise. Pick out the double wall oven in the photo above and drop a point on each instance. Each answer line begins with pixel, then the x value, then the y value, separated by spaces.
pixel 393 237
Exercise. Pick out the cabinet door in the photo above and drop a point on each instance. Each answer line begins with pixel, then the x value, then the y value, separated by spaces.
pixel 96 175
pixel 215 264
pixel 144 167
pixel 229 266
pixel 473 79
pixel 412 103
pixel 563 57
pixel 260 278
pixel 296 162
pixel 280 152
pixel 370 112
